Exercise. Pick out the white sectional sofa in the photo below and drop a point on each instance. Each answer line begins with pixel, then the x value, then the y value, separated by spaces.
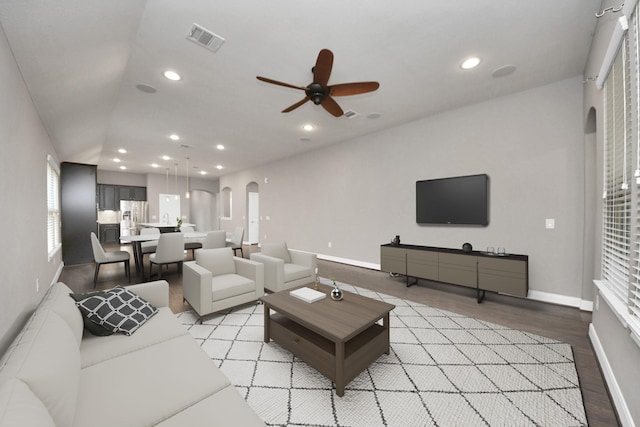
pixel 53 375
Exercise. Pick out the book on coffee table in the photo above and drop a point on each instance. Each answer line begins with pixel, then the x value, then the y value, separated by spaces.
pixel 307 294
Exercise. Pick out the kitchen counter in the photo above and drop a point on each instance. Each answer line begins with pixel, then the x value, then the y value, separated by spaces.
pixel 165 224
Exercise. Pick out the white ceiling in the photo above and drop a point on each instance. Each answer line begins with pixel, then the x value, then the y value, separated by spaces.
pixel 82 60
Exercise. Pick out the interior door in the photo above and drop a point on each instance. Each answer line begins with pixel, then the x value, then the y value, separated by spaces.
pixel 254 218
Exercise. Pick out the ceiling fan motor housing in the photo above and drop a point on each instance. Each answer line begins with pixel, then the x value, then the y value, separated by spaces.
pixel 316 93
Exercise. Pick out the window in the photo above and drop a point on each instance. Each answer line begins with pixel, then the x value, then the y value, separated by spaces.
pixel 618 155
pixel 621 196
pixel 53 207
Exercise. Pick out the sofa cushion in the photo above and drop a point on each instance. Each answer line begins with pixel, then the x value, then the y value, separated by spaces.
pixel 158 382
pixel 230 285
pixel 276 250
pixel 218 261
pixel 294 272
pixel 120 310
pixel 20 407
pixel 159 328
pixel 229 407
pixel 46 358
pixel 57 299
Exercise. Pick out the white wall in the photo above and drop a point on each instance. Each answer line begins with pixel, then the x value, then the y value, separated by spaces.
pixel 359 194
pixel 23 191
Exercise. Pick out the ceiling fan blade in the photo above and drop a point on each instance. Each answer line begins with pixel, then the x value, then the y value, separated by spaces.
pixel 332 106
pixel 296 105
pixel 322 70
pixel 345 89
pixel 275 82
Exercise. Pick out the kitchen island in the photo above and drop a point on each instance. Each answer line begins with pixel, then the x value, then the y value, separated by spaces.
pixel 165 227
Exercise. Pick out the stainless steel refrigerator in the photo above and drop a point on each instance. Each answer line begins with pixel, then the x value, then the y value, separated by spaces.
pixel 132 213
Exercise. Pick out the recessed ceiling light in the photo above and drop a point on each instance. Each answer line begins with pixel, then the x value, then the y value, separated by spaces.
pixel 117 160
pixel 373 116
pixel 219 167
pixel 470 63
pixel 155 165
pixel 123 167
pixel 203 172
pixel 174 137
pixel 308 127
pixel 172 75
pixel 220 147
pixel 166 158
pixel 122 151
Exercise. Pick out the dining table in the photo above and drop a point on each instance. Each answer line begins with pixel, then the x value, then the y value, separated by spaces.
pixel 137 239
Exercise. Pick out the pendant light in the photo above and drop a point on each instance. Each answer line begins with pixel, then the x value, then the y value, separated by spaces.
pixel 176 175
pixel 166 188
pixel 188 194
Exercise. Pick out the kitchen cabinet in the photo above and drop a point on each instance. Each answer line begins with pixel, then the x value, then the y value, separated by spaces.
pixel 109 233
pixel 108 197
pixel 132 193
pixel 77 211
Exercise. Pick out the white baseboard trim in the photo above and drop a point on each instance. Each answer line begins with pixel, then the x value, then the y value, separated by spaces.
pixel 56 277
pixel 348 261
pixel 561 300
pixel 619 403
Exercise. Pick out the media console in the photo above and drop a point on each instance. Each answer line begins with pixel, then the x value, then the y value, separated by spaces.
pixel 508 274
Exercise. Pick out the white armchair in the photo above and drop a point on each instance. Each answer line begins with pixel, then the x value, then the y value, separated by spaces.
pixel 285 268
pixel 217 280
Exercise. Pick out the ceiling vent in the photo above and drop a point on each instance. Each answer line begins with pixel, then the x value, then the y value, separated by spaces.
pixel 205 38
pixel 350 114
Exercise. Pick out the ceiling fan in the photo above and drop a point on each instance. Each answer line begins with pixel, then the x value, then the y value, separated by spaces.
pixel 319 92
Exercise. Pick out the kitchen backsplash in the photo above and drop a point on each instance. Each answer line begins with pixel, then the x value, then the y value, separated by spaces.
pixel 108 217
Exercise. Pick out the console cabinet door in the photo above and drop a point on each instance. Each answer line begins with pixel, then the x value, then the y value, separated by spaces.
pixel 458 269
pixel 503 275
pixel 393 259
pixel 422 264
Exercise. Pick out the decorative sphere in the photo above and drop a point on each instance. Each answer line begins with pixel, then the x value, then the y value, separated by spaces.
pixel 336 294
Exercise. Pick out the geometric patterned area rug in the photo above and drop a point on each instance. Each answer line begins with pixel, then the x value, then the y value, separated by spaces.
pixel 444 369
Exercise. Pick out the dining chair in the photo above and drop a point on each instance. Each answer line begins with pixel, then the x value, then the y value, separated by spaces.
pixel 191 244
pixel 100 257
pixel 215 239
pixel 236 240
pixel 170 250
pixel 148 247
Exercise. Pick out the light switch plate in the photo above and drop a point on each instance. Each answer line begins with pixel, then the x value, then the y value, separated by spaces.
pixel 550 223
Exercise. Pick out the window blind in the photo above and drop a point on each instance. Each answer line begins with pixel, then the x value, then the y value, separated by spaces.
pixel 634 284
pixel 616 251
pixel 53 207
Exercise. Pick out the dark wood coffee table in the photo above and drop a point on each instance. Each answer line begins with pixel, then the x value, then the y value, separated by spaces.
pixel 340 339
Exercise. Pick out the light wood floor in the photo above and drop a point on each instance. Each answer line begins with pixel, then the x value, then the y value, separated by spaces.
pixel 561 323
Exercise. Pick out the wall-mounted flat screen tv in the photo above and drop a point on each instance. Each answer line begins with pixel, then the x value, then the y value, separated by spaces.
pixel 456 200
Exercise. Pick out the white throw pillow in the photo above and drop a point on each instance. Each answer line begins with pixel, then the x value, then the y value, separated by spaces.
pixel 276 250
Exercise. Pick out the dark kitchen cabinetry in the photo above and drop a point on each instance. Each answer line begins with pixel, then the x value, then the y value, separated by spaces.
pixel 77 211
pixel 132 193
pixel 108 197
pixel 109 233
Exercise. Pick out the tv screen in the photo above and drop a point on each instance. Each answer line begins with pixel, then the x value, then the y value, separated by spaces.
pixel 457 200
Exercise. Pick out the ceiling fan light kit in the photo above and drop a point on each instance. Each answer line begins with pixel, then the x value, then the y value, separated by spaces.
pixel 319 92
